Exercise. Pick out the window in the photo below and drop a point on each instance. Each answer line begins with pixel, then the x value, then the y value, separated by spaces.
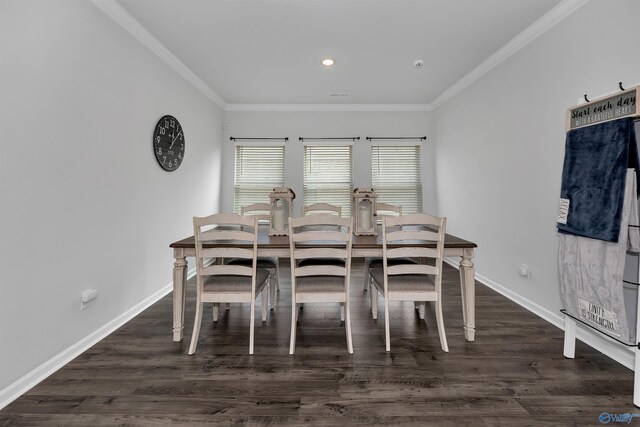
pixel 328 176
pixel 259 169
pixel 396 176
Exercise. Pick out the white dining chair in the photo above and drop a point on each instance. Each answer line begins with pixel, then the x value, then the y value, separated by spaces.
pixel 224 283
pixel 261 211
pixel 383 210
pixel 323 281
pixel 316 208
pixel 408 235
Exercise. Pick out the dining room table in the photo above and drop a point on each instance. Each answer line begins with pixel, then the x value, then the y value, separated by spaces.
pixel 362 246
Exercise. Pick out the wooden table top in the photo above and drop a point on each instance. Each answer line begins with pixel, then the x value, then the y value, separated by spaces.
pixel 282 242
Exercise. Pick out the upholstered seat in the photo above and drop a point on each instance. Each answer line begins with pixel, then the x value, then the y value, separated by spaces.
pixel 403 282
pixel 321 261
pixel 377 262
pixel 320 284
pixel 267 262
pixel 229 283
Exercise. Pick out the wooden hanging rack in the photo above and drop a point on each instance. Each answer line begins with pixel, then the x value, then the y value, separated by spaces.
pixel 605 108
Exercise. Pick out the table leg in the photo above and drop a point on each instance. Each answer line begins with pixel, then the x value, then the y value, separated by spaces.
pixel 468 291
pixel 179 291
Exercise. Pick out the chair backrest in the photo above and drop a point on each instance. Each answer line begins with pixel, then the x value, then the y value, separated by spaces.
pixel 385 210
pixel 225 227
pixel 321 237
pixel 414 236
pixel 317 208
pixel 262 211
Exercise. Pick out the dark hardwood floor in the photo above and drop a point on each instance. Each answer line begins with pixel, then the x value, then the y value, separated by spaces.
pixel 513 374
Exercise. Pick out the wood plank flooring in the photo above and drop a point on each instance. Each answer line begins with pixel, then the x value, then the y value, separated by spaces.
pixel 513 374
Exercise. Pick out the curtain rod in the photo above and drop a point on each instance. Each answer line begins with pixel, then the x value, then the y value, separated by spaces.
pixel 421 138
pixel 353 138
pixel 260 139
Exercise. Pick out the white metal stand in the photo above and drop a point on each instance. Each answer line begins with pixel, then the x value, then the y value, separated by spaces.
pixel 570 346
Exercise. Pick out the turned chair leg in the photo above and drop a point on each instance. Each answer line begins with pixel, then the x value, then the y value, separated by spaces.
pixel 440 321
pixel 196 328
pixel 263 300
pixel 373 296
pixel 294 318
pixel 216 310
pixel 348 327
pixel 367 279
pixel 387 333
pixel 272 290
pixel 251 324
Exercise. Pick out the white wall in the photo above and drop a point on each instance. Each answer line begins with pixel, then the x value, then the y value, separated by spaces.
pixel 500 143
pixel 84 202
pixel 326 124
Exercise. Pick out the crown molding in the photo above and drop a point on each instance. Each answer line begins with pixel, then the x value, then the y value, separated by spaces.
pixel 548 20
pixel 123 18
pixel 329 107
pixel 116 12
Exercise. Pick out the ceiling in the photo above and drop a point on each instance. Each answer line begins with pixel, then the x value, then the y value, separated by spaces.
pixel 270 51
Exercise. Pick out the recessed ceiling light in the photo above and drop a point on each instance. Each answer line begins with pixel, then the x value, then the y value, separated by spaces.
pixel 327 61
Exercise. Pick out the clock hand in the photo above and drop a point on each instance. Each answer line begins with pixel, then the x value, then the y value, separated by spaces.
pixel 174 139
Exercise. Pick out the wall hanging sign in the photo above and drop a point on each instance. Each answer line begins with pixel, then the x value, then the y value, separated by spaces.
pixel 610 107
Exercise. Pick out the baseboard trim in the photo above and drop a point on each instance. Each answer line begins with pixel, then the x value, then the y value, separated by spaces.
pixel 622 355
pixel 33 378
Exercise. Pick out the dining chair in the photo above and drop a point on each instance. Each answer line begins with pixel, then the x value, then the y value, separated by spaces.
pixel 323 281
pixel 261 211
pixel 383 210
pixel 407 236
pixel 326 208
pixel 316 208
pixel 224 283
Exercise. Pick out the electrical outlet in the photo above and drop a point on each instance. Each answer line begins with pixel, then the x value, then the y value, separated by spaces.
pixel 87 296
pixel 523 270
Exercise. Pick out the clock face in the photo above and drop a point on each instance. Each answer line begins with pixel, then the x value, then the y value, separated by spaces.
pixel 168 143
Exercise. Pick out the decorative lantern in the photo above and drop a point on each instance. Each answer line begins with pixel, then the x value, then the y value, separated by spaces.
pixel 364 209
pixel 281 209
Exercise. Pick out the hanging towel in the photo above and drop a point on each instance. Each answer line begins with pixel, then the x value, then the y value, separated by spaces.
pixel 592 272
pixel 593 178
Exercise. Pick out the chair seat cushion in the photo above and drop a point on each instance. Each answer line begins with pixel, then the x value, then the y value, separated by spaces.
pixel 268 262
pixel 377 262
pixel 403 282
pixel 321 261
pixel 320 284
pixel 232 284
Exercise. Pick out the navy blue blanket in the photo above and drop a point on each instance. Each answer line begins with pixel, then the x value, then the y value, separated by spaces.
pixel 593 177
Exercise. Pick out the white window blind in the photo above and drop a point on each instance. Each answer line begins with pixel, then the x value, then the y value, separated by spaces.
pixel 328 175
pixel 259 169
pixel 396 176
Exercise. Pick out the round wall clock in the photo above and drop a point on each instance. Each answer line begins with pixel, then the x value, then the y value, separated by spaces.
pixel 168 143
